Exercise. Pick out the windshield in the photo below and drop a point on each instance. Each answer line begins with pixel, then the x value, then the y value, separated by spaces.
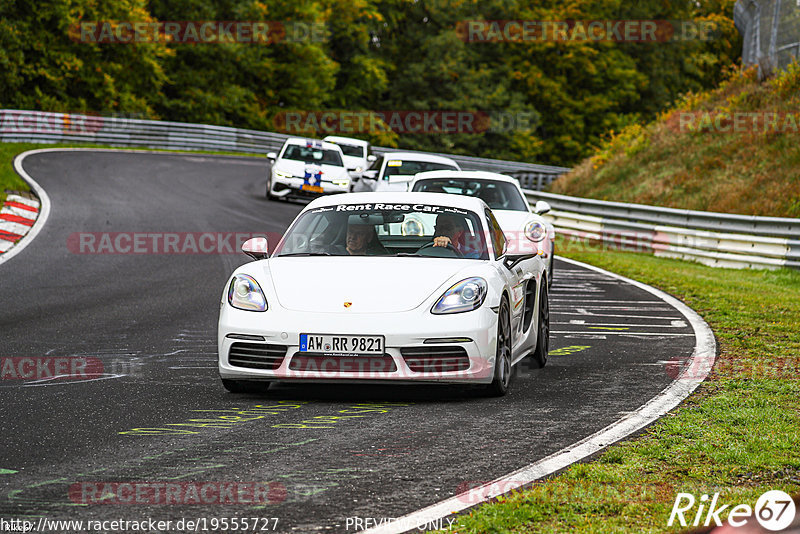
pixel 352 150
pixel 395 167
pixel 497 195
pixel 418 230
pixel 311 154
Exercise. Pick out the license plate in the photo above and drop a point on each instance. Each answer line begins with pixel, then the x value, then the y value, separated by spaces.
pixel 346 345
pixel 312 188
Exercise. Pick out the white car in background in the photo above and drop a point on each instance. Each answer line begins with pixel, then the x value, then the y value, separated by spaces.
pixel 505 197
pixel 357 154
pixel 347 296
pixel 394 170
pixel 306 169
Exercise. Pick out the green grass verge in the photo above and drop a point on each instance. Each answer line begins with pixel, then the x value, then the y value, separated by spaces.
pixel 738 434
pixel 10 180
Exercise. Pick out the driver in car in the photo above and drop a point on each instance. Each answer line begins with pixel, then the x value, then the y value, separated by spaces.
pixel 451 231
pixel 363 240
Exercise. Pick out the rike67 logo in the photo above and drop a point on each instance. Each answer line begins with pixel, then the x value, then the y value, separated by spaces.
pixel 775 510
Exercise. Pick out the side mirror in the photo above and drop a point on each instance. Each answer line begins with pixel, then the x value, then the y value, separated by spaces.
pixel 256 248
pixel 272 156
pixel 371 158
pixel 541 207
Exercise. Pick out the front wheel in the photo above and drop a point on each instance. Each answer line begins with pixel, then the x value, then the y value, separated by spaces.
pixel 543 336
pixel 502 364
pixel 269 195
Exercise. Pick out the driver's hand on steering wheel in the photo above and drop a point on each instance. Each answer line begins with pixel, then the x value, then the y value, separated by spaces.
pixel 441 241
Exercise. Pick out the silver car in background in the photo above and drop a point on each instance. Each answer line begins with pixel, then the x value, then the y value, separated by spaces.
pixel 507 201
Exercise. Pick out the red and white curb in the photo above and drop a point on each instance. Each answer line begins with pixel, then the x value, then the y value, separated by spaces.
pixel 21 219
pixel 17 217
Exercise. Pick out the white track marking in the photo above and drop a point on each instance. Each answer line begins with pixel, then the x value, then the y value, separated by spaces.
pixel 611 301
pixel 694 372
pixel 624 308
pixel 580 322
pixel 585 314
pixel 625 333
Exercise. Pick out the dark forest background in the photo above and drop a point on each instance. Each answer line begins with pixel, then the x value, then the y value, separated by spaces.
pixel 377 55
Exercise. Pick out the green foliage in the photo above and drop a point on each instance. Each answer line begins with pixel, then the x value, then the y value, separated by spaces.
pixel 44 67
pixel 377 55
pixel 685 160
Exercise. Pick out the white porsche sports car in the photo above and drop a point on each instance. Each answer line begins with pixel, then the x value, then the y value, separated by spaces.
pixel 504 196
pixel 349 294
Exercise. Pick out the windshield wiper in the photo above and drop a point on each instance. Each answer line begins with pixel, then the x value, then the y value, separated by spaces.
pixel 305 254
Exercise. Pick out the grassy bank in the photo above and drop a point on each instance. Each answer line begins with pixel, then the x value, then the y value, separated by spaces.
pixel 10 180
pixel 738 434
pixel 734 149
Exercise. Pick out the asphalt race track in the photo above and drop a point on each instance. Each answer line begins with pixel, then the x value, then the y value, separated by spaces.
pixel 149 320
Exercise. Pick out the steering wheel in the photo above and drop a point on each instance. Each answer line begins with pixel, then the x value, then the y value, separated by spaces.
pixel 448 246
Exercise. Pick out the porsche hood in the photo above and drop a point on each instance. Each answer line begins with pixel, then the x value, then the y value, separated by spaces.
pixel 368 285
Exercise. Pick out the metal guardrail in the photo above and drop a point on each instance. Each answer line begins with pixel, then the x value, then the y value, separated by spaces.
pixel 712 238
pixel 46 127
pixel 715 239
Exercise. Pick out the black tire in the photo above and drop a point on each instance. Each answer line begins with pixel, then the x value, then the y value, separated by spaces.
pixel 245 386
pixel 502 364
pixel 543 337
pixel 270 196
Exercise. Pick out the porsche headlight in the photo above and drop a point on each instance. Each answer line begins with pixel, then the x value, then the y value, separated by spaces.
pixel 343 182
pixel 281 174
pixel 244 293
pixel 467 295
pixel 535 231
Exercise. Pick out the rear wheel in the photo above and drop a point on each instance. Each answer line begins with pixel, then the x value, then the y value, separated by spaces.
pixel 543 337
pixel 245 386
pixel 502 364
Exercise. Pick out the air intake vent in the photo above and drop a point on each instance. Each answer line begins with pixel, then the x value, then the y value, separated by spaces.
pixel 436 359
pixel 256 355
pixel 366 365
